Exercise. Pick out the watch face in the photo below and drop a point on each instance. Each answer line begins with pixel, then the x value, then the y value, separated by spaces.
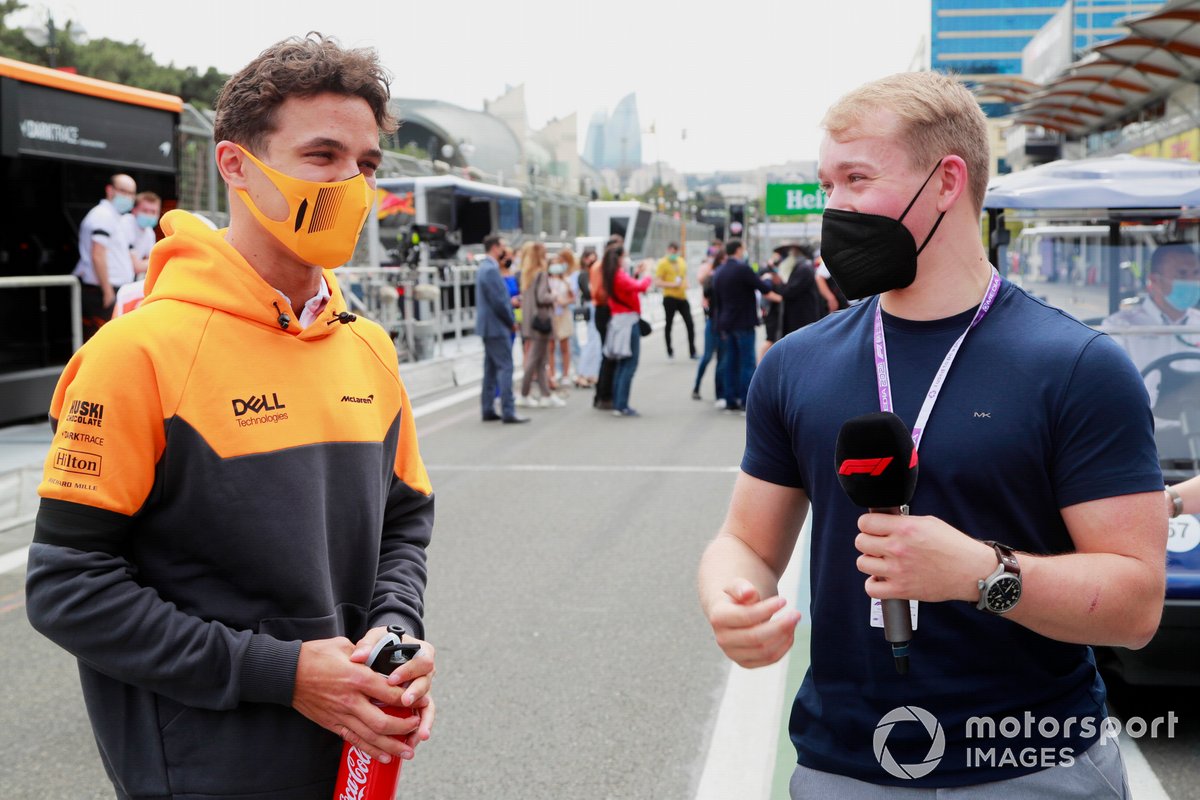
pixel 1004 593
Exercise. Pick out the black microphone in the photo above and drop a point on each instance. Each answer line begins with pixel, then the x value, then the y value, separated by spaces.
pixel 876 464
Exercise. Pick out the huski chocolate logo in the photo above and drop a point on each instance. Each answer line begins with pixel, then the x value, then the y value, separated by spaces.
pixel 84 412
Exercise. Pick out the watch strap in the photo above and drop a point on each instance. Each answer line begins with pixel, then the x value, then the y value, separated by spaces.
pixel 1176 501
pixel 1007 557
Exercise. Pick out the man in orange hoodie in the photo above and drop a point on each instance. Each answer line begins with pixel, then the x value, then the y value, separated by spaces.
pixel 227 529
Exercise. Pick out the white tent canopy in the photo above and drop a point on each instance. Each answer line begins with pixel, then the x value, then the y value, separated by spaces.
pixel 1122 181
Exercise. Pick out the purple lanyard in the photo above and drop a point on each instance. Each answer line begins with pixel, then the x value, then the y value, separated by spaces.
pixel 883 379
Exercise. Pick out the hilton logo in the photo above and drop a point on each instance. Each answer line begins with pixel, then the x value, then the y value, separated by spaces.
pixel 77 461
pixel 257 404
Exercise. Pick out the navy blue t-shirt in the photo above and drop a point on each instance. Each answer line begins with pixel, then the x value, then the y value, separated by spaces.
pixel 1038 412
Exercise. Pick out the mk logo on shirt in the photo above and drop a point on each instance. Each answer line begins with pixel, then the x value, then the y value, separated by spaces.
pixel 77 461
pixel 346 398
pixel 83 412
pixel 257 404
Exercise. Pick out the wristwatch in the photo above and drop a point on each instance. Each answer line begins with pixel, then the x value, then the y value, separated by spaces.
pixel 1000 591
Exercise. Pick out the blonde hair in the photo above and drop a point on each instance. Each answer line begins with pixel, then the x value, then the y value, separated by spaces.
pixel 938 115
pixel 567 256
pixel 533 261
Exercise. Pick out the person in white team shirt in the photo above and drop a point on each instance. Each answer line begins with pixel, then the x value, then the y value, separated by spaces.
pixel 104 264
pixel 138 229
pixel 1172 291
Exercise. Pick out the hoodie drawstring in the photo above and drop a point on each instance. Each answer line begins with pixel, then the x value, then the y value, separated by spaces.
pixel 284 320
pixel 344 317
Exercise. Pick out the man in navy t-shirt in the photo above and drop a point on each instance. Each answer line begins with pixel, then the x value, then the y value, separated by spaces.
pixel 1037 525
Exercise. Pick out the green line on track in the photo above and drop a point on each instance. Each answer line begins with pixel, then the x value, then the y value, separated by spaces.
pixel 785 755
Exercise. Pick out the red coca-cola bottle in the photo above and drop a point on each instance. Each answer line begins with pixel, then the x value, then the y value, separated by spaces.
pixel 361 777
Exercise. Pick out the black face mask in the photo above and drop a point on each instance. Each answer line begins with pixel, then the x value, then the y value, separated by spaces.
pixel 868 254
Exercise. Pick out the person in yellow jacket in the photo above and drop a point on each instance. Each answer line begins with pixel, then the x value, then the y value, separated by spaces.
pixel 671 277
pixel 234 506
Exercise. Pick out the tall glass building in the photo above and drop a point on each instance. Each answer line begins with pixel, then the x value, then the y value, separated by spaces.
pixel 975 38
pixel 615 142
pixel 593 149
pixel 623 136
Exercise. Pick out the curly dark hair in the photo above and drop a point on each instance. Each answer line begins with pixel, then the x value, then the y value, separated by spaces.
pixel 298 67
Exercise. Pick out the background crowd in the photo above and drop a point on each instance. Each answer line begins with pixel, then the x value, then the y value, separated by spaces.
pixel 580 318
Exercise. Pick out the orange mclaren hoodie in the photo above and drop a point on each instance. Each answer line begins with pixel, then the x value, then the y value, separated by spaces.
pixel 221 488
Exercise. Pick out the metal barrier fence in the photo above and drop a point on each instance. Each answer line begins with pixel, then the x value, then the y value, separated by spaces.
pixel 420 307
pixel 44 281
pixel 39 352
pixel 424 308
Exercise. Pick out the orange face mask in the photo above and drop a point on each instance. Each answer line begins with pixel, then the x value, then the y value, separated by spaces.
pixel 324 219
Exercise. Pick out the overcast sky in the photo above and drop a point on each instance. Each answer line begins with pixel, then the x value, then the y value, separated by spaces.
pixel 747 79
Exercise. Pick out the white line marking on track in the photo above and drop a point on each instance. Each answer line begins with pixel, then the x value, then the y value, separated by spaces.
pixel 14 560
pixel 741 755
pixel 434 406
pixel 1143 783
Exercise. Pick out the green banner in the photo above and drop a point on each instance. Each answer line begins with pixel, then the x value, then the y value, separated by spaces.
pixel 790 199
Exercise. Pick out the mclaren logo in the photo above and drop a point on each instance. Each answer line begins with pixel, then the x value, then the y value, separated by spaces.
pixel 347 398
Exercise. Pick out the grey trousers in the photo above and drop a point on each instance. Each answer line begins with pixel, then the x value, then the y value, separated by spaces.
pixel 1098 774
pixel 535 370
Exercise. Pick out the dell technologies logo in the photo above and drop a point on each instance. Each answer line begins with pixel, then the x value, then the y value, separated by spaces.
pixel 257 404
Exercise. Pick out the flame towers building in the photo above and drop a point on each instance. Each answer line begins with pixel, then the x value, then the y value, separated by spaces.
pixel 615 142
pixel 623 137
pixel 593 149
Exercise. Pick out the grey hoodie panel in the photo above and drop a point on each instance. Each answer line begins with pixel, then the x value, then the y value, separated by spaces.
pixel 264 751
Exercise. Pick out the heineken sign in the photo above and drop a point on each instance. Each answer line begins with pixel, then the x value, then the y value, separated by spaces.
pixel 789 199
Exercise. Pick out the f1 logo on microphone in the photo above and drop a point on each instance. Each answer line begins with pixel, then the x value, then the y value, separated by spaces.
pixel 864 466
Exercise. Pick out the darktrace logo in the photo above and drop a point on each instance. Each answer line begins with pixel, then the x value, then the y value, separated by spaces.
pixel 257 405
pixel 937 742
pixel 349 398
pixel 77 461
pixel 85 412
